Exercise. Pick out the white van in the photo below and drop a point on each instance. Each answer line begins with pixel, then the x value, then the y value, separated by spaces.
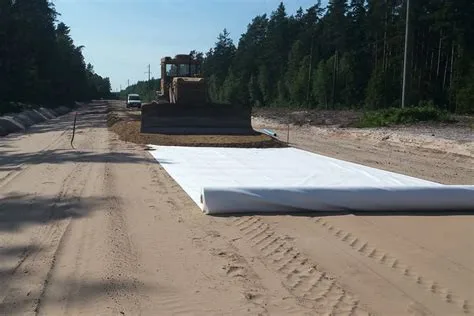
pixel 133 100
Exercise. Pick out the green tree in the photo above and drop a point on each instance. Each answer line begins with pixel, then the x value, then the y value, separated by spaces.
pixel 374 98
pixel 255 96
pixel 293 81
pixel 264 84
pixel 321 85
pixel 465 94
pixel 350 54
pixel 347 81
pixel 39 62
pixel 230 88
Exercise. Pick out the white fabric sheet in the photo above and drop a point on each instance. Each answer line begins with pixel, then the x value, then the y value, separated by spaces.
pixel 232 180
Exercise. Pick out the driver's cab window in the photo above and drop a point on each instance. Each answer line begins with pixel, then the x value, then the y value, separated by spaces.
pixel 183 70
pixel 171 70
pixel 195 70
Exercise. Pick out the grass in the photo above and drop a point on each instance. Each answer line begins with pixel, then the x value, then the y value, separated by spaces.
pixel 399 116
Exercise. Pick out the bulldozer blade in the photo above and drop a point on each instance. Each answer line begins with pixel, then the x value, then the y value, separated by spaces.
pixel 192 119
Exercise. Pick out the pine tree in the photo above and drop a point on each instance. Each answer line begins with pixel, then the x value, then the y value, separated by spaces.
pixel 321 90
pixel 293 84
pixel 39 62
pixel 255 96
pixel 264 85
pixel 352 54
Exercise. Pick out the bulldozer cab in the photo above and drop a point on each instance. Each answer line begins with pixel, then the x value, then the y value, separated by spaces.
pixel 182 66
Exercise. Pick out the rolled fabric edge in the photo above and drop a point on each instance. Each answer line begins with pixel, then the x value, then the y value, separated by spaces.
pixel 226 200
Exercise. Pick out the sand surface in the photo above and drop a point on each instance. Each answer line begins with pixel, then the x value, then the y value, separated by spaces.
pixel 103 230
pixel 126 124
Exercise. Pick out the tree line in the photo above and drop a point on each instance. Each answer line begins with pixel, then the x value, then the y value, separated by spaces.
pixel 39 62
pixel 349 55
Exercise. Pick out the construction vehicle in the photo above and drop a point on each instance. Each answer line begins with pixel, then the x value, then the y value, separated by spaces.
pixel 183 105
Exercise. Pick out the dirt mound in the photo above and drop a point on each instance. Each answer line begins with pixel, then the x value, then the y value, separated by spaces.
pixel 299 117
pixel 127 127
pixel 18 122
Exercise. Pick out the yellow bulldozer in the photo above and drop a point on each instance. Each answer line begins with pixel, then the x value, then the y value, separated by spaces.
pixel 183 105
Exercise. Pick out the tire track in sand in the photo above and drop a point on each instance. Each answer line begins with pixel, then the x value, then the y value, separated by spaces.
pixel 39 156
pixel 49 235
pixel 96 254
pixel 312 287
pixel 369 250
pixel 67 273
pixel 253 296
pixel 74 186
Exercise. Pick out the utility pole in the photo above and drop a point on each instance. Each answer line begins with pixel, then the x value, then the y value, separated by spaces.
pixel 405 57
pixel 128 83
pixel 149 73
pixel 149 78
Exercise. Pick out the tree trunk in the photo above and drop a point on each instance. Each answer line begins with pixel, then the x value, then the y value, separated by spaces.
pixel 431 65
pixel 445 71
pixel 439 52
pixel 452 67
pixel 384 58
pixel 376 52
pixel 419 83
pixel 408 65
pixel 334 79
pixel 310 70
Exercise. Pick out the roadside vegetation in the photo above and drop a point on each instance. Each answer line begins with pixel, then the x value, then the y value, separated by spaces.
pixel 349 55
pixel 39 62
pixel 399 116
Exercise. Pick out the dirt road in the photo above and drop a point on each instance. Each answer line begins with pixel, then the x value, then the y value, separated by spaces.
pixel 102 230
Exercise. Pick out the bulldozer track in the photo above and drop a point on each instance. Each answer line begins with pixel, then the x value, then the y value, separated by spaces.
pixel 312 287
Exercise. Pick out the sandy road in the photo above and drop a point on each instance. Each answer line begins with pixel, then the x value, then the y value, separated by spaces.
pixel 102 229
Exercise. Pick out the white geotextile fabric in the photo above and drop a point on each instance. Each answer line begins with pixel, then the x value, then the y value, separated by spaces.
pixel 232 180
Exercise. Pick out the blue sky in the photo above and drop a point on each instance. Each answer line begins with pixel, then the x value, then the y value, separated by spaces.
pixel 121 37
